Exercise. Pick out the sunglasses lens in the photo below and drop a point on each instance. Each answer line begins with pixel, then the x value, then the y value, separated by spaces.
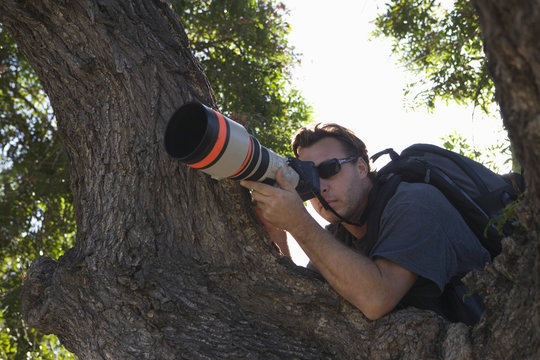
pixel 328 168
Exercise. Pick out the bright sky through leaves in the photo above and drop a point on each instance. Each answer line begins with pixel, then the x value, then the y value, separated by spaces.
pixel 357 83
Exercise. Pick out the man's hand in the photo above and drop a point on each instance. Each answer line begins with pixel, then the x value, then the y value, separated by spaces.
pixel 277 236
pixel 282 206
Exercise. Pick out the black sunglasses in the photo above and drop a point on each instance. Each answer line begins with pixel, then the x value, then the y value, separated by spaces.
pixel 331 167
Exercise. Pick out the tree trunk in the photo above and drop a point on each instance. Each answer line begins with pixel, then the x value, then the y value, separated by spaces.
pixel 510 30
pixel 169 264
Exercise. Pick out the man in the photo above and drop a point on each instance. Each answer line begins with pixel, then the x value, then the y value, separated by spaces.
pixel 423 243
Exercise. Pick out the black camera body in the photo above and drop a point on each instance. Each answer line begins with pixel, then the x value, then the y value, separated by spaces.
pixel 308 184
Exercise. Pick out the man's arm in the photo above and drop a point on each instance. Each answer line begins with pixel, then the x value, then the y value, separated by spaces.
pixel 373 286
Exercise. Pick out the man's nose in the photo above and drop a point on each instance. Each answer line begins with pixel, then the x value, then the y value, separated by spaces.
pixel 323 184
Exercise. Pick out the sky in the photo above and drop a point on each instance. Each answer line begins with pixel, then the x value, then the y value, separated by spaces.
pixel 358 83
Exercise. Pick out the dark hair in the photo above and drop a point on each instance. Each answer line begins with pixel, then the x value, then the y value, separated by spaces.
pixel 309 135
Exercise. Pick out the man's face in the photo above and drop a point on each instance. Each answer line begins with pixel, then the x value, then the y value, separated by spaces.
pixel 347 191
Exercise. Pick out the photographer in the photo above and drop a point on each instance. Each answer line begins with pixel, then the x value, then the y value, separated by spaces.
pixel 423 243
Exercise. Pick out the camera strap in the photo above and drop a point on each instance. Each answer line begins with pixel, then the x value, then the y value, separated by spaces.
pixel 328 207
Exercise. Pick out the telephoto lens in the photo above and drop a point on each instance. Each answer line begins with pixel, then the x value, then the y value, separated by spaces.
pixel 204 139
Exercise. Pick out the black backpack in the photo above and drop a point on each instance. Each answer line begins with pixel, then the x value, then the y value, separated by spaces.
pixel 476 192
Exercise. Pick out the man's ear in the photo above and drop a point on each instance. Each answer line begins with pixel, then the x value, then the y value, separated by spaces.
pixel 362 167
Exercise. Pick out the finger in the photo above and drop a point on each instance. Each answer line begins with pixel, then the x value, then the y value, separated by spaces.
pixel 257 209
pixel 258 197
pixel 258 187
pixel 282 181
pixel 246 184
pixel 260 215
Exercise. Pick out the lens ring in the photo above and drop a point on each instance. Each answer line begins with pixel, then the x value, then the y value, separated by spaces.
pixel 252 163
pixel 263 166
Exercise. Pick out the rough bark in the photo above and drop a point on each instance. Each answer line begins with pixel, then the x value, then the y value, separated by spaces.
pixel 168 263
pixel 510 30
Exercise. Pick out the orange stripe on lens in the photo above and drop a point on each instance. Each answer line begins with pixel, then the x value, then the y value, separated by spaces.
pixel 246 161
pixel 218 146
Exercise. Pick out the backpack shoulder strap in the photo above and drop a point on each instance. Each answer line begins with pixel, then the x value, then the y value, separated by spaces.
pixel 382 191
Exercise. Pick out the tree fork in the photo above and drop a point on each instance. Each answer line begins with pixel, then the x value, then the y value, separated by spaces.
pixel 169 263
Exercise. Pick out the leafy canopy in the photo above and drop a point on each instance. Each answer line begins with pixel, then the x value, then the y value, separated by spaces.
pixel 243 48
pixel 440 42
pixel 36 214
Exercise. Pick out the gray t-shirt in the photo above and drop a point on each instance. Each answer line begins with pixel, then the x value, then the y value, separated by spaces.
pixel 421 231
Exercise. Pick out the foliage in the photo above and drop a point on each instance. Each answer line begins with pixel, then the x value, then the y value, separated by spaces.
pixel 36 215
pixel 490 156
pixel 441 45
pixel 508 221
pixel 439 41
pixel 243 49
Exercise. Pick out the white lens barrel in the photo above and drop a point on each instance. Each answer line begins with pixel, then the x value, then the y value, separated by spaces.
pixel 205 140
pixel 236 150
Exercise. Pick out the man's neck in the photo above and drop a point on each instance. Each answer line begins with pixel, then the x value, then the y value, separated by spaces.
pixel 357 231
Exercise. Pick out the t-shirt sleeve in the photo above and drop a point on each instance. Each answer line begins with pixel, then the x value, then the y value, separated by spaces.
pixel 421 231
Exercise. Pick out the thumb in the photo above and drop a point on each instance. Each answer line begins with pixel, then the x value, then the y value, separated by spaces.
pixel 283 182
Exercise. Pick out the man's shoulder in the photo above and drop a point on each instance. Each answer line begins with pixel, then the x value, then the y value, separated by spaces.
pixel 417 193
pixel 406 188
pixel 420 205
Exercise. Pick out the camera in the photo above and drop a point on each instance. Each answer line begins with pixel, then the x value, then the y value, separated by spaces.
pixel 206 140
